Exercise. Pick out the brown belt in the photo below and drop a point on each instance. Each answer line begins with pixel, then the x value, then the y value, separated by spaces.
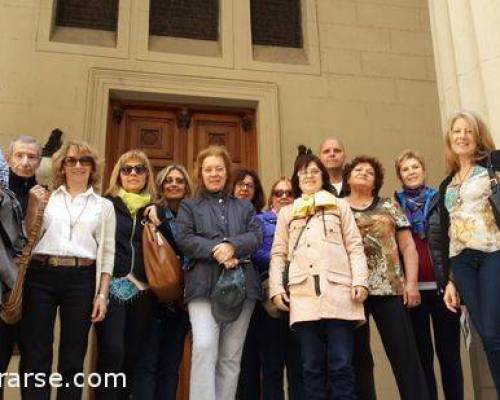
pixel 57 261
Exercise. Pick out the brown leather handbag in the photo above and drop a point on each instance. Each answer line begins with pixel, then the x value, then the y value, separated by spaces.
pixel 163 267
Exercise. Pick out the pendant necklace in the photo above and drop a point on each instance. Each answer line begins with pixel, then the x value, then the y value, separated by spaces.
pixel 460 183
pixel 73 223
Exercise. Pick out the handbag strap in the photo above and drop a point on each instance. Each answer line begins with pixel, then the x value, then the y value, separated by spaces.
pixel 491 174
pixel 300 235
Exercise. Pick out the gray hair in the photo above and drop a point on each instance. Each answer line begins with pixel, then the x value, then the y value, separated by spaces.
pixel 30 140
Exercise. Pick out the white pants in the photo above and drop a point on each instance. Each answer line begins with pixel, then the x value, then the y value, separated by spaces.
pixel 216 354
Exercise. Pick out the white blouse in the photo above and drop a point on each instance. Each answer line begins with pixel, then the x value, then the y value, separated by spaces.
pixel 83 226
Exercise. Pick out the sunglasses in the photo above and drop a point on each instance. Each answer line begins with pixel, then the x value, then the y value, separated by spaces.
pixel 280 193
pixel 139 169
pixel 85 161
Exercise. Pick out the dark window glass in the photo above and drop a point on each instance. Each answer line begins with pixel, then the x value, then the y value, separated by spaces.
pixel 90 14
pixel 276 23
pixel 192 19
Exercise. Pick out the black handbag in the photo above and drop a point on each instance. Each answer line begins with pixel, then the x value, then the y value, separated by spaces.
pixel 286 270
pixel 495 191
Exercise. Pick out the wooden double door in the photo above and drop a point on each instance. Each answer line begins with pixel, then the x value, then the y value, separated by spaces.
pixel 170 133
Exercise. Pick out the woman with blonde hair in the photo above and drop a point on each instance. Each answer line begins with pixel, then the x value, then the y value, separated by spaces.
pixel 421 206
pixel 218 233
pixel 120 335
pixel 471 237
pixel 157 370
pixel 70 270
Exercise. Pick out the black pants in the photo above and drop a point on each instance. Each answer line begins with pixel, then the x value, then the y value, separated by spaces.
pixel 157 367
pixel 327 348
pixel 446 328
pixel 9 335
pixel 270 345
pixel 119 339
pixel 47 289
pixel 396 333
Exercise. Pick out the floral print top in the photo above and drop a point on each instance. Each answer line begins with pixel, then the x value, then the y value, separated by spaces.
pixel 378 225
pixel 472 224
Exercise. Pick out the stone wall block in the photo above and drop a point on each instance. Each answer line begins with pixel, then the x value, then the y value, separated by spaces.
pixel 389 65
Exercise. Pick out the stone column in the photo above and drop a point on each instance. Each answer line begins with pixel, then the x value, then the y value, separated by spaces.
pixel 466 40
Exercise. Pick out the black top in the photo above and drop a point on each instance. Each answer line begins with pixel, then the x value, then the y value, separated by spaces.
pixel 204 222
pixel 128 242
pixel 21 187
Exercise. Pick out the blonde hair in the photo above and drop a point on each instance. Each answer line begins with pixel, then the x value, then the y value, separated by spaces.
pixel 271 192
pixel 162 175
pixel 115 183
pixel 408 155
pixel 82 148
pixel 213 151
pixel 483 137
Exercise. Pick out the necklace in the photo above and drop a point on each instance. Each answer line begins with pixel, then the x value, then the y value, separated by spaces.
pixel 360 205
pixel 461 180
pixel 73 223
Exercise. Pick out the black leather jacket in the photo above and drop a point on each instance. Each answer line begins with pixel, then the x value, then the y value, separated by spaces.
pixel 206 221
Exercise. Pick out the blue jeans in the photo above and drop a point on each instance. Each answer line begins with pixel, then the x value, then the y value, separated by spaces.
pixel 335 338
pixel 477 275
pixel 157 369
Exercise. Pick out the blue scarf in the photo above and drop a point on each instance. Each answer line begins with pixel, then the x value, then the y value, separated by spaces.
pixel 416 205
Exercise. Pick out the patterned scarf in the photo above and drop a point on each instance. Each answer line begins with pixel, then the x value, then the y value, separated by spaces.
pixel 415 203
pixel 306 205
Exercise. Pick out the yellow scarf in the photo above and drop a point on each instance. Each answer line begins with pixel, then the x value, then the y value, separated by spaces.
pixel 306 205
pixel 134 201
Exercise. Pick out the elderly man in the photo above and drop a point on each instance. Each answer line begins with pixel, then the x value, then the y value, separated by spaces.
pixel 23 158
pixel 332 155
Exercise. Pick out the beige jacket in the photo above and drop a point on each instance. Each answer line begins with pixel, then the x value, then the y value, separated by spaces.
pixel 328 262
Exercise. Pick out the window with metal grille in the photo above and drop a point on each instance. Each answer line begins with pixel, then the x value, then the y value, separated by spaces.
pixel 90 14
pixel 191 19
pixel 276 23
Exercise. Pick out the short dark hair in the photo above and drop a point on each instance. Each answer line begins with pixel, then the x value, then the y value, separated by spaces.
pixel 303 162
pixel 377 168
pixel 258 199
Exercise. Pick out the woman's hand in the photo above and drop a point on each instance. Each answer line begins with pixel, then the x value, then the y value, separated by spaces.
pixel 411 295
pixel 281 301
pixel 451 298
pixel 231 263
pixel 151 213
pixel 100 308
pixel 359 293
pixel 223 252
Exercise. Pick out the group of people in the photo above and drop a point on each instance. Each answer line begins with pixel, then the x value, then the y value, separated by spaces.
pixel 313 262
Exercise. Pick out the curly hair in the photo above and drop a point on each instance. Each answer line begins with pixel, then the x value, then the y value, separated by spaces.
pixel 377 168
pixel 258 196
pixel 81 148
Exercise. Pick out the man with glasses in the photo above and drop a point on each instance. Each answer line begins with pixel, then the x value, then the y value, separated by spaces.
pixel 23 159
pixel 332 155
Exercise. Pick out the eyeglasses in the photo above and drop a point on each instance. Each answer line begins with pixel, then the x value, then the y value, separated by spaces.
pixel 245 185
pixel 85 161
pixel 311 172
pixel 179 181
pixel 139 169
pixel 281 193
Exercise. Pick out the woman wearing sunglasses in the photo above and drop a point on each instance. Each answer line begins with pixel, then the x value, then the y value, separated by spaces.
pixel 157 370
pixel 70 271
pixel 120 335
